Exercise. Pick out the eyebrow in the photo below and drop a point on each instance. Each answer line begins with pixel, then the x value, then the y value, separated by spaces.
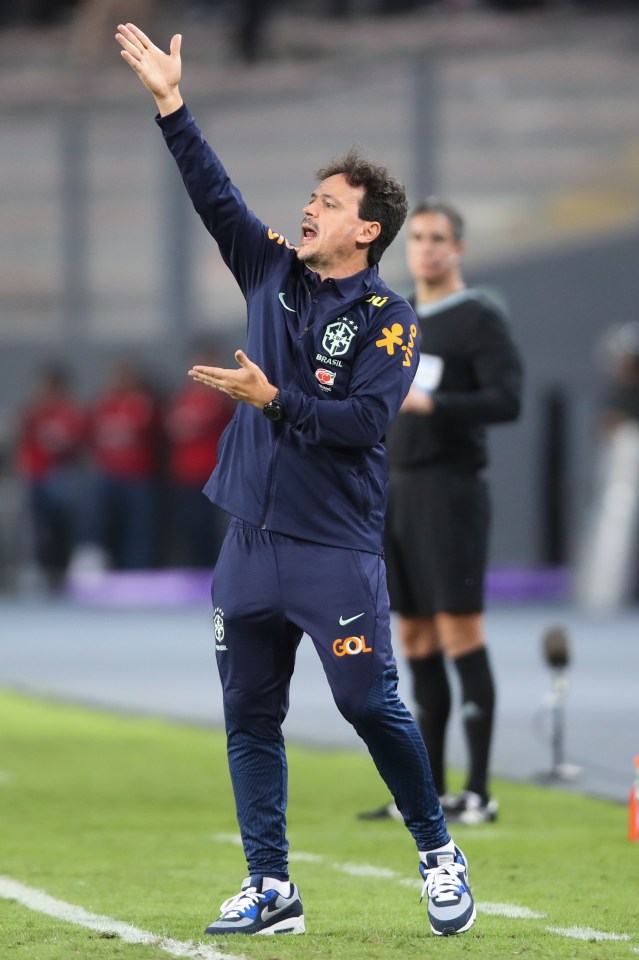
pixel 326 196
pixel 436 234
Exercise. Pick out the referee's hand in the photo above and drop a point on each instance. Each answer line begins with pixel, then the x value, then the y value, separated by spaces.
pixel 417 401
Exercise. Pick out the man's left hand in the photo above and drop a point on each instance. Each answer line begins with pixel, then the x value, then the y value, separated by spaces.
pixel 247 383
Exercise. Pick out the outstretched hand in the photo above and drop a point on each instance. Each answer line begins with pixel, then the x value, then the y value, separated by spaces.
pixel 159 72
pixel 247 383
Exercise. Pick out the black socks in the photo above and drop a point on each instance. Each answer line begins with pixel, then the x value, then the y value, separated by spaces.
pixel 431 691
pixel 432 695
pixel 478 705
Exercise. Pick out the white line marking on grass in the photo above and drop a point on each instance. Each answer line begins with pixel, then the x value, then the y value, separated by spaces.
pixel 510 910
pixel 365 870
pixel 41 902
pixel 586 933
pixel 232 838
pixel 301 857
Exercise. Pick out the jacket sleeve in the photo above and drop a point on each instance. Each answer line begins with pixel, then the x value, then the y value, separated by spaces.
pixel 247 246
pixel 381 377
pixel 497 371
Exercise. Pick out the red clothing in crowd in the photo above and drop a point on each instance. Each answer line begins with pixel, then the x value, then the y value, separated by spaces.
pixel 194 423
pixel 52 433
pixel 125 432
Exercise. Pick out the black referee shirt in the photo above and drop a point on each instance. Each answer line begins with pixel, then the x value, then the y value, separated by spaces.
pixel 471 366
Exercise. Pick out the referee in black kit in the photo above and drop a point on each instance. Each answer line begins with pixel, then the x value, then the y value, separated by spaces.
pixel 438 518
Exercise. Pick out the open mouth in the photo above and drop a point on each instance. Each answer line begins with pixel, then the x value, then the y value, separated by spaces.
pixel 308 232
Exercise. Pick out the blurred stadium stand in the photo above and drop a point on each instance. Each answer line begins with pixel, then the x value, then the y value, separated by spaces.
pixel 529 120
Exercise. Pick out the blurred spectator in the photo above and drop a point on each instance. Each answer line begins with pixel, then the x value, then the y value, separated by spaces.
pixel 607 569
pixel 194 422
pixel 94 21
pixel 33 12
pixel 253 16
pixel 124 438
pixel 50 440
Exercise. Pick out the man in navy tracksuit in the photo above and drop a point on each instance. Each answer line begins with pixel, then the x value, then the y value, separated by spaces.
pixel 331 354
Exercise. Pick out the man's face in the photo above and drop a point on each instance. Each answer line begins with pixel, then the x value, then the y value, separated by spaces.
pixel 432 253
pixel 332 230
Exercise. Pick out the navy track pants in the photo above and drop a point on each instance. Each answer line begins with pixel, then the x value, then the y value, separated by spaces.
pixel 268 590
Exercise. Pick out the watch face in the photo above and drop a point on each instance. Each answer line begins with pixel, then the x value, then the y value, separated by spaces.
pixel 274 410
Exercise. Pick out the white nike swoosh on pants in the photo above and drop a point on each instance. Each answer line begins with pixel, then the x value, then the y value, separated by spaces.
pixel 343 622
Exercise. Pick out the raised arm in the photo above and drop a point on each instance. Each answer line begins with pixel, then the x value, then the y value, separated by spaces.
pixel 159 72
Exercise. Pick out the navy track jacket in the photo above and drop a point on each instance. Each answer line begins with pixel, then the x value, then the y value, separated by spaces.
pixel 342 352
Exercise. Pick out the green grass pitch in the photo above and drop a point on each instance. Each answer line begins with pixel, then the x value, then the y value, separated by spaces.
pixel 133 819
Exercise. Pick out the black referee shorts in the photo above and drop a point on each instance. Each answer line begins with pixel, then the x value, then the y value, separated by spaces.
pixel 436 540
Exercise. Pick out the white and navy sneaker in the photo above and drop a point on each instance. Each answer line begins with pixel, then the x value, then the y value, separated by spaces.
pixel 263 906
pixel 451 908
pixel 469 808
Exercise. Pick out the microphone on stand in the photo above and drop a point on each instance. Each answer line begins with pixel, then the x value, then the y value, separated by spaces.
pixel 556 648
pixel 556 653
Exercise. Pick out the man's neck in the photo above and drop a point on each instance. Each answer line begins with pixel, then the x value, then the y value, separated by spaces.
pixel 341 271
pixel 426 292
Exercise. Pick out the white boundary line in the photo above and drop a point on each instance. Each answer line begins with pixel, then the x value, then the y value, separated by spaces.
pixel 41 902
pixel 511 910
pixel 587 933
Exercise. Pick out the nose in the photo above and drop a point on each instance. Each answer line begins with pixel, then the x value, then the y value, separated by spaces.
pixel 309 209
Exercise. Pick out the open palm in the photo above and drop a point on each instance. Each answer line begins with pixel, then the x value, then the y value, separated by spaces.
pixel 159 72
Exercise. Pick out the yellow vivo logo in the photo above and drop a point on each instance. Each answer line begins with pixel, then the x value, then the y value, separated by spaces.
pixel 280 239
pixel 392 338
pixel 410 346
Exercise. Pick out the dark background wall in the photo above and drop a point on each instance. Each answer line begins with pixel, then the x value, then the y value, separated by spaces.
pixel 560 302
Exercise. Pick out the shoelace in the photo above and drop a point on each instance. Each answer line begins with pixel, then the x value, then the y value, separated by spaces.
pixel 443 882
pixel 241 902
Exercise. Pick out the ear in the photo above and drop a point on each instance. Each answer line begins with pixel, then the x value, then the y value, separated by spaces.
pixel 370 230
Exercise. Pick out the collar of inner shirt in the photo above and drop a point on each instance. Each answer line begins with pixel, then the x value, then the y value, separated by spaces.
pixel 345 288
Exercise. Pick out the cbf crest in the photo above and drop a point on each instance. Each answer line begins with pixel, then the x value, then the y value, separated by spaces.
pixel 218 629
pixel 338 337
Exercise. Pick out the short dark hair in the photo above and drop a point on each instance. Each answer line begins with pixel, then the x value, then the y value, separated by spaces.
pixel 452 214
pixel 384 197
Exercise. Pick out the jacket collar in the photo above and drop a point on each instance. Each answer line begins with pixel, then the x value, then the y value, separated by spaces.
pixel 347 288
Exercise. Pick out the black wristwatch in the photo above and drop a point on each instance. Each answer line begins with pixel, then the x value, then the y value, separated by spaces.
pixel 274 409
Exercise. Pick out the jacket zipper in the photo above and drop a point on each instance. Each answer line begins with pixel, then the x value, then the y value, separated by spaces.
pixel 269 482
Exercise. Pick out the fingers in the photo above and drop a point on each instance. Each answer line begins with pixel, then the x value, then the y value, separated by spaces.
pixel 243 360
pixel 132 48
pixel 204 379
pixel 134 43
pixel 176 45
pixel 140 37
pixel 129 50
pixel 209 376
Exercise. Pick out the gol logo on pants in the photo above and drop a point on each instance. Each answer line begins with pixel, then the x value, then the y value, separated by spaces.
pixel 350 646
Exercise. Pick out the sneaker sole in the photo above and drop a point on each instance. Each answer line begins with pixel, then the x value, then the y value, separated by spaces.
pixel 452 931
pixel 292 925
